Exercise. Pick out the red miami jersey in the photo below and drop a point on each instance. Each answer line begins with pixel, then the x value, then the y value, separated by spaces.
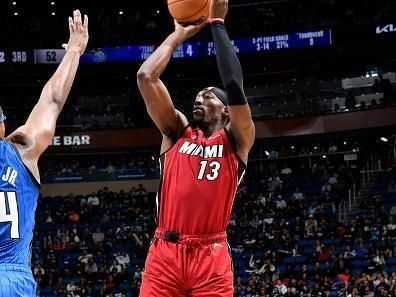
pixel 199 180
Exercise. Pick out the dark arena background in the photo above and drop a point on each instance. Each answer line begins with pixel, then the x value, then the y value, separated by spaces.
pixel 316 213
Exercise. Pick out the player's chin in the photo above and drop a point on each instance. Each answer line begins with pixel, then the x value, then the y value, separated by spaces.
pixel 198 117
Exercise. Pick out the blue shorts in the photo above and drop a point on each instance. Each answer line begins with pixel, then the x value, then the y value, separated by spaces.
pixel 16 281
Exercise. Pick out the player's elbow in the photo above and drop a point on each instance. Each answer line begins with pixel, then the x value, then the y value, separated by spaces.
pixel 232 83
pixel 145 76
pixel 53 95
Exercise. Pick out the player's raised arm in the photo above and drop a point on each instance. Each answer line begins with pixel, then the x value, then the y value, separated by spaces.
pixel 156 96
pixel 241 125
pixel 37 133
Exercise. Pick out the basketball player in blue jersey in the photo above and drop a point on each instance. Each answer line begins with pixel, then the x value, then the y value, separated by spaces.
pixel 19 174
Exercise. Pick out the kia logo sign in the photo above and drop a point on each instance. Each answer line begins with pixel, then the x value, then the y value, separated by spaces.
pixel 386 29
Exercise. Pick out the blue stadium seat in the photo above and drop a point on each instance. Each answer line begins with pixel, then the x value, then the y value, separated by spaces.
pixel 391 261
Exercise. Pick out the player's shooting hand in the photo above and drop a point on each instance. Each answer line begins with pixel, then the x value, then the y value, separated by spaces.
pixel 78 39
pixel 190 30
pixel 218 9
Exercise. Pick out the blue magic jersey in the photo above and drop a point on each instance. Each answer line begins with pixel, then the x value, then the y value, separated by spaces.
pixel 18 201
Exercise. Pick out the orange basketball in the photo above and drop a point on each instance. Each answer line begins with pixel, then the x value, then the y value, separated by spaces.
pixel 189 11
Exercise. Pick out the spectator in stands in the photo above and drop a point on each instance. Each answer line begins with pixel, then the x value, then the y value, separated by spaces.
pixel 376 86
pixel 311 226
pixel 326 187
pixel 84 257
pixel 140 190
pixel 297 195
pixel 333 148
pixel 385 87
pixel 90 266
pixel 333 179
pixel 350 101
pixel 97 236
pixel 123 259
pixel 280 288
pixel 38 270
pixel 273 154
pixel 379 260
pixel 110 168
pixel 349 253
pixel 66 169
pixel 313 208
pixel 362 251
pixel 72 289
pixel 93 200
pixel 286 170
pixel 117 267
pixel 274 183
pixel 280 203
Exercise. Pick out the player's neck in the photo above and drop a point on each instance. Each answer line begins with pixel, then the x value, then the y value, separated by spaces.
pixel 209 129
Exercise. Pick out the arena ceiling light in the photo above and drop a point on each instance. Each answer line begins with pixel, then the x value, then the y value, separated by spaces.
pixel 14 3
pixel 53 3
pixel 384 139
pixel 120 12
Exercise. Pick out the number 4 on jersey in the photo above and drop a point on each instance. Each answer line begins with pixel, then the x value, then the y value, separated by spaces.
pixel 215 167
pixel 9 212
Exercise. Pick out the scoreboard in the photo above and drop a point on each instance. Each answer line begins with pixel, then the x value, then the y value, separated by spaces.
pixel 258 44
pixel 16 56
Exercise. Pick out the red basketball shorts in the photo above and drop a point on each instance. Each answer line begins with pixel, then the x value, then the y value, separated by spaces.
pixel 193 266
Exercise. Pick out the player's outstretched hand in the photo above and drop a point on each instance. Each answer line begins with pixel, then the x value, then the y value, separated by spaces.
pixel 218 9
pixel 189 30
pixel 78 39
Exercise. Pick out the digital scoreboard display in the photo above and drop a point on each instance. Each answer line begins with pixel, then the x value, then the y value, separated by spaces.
pixel 16 56
pixel 258 44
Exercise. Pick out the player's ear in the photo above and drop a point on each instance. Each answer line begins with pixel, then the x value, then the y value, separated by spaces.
pixel 224 113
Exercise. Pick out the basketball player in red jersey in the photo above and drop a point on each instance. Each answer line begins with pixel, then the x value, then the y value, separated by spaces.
pixel 201 166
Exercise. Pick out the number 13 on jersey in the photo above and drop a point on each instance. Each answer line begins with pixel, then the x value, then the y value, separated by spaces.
pixel 9 212
pixel 214 168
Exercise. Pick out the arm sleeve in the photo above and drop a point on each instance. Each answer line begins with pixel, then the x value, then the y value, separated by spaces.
pixel 228 64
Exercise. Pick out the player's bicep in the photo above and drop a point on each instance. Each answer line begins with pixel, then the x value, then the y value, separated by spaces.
pixel 241 126
pixel 39 128
pixel 160 107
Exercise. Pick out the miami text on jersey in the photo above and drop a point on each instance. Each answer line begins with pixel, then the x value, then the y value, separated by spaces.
pixel 193 149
